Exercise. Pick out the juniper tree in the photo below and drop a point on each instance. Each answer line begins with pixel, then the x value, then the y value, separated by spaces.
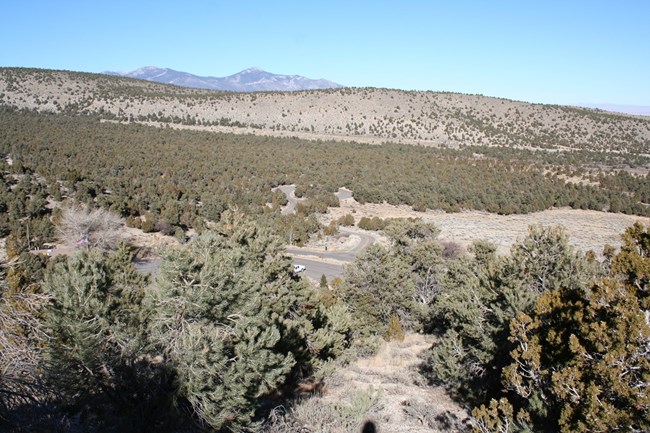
pixel 580 359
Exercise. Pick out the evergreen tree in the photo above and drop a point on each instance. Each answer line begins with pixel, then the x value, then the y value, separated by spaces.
pixel 580 360
pixel 377 286
pixel 481 295
pixel 235 323
pixel 97 351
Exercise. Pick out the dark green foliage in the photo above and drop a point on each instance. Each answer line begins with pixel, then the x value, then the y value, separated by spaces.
pixel 235 323
pixel 394 330
pixel 295 229
pixel 406 233
pixel 633 262
pixel 480 295
pixel 226 324
pixel 461 358
pixel 379 285
pixel 318 200
pixel 183 175
pixel 96 352
pixel 346 220
pixel 374 223
pixel 27 271
pixel 544 260
pixel 26 402
pixel 398 282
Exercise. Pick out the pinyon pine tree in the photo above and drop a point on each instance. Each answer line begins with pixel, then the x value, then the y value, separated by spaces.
pixel 96 353
pixel 479 297
pixel 235 323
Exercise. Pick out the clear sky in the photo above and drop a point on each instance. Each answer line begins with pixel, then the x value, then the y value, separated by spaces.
pixel 565 52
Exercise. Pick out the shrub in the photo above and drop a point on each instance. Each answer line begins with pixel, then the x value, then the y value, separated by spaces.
pixel 346 220
pixel 331 229
pixel 96 350
pixel 148 226
pixel 164 227
pixel 95 228
pixel 374 223
pixel 479 296
pixel 135 222
pixel 580 359
pixel 377 286
pixel 394 330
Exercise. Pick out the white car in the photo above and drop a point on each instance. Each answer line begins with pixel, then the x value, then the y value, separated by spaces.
pixel 299 268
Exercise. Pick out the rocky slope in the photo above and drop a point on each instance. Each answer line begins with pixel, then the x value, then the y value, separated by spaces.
pixel 385 393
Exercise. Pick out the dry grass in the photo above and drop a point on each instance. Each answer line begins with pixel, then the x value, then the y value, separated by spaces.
pixel 3 251
pixel 386 389
pixel 588 230
pixel 95 228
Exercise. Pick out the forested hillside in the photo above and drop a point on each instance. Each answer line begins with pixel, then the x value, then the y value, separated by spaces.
pixel 183 178
pixel 361 114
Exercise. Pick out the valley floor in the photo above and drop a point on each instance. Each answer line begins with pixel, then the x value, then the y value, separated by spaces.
pixel 588 230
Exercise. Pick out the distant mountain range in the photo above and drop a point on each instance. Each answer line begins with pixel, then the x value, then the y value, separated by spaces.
pixel 248 80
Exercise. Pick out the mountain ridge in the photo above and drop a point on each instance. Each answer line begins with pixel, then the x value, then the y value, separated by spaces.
pixel 363 115
pixel 252 79
pixel 267 81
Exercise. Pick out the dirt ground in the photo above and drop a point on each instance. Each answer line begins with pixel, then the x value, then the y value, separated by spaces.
pixel 386 390
pixel 146 244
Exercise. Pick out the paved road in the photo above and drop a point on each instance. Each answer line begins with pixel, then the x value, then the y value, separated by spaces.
pixel 317 262
pixel 329 263
pixel 149 266
pixel 322 262
pixel 317 268
pixel 292 200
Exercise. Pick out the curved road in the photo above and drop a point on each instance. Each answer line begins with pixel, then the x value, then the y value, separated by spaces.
pixel 320 262
pixel 330 263
pixel 317 262
pixel 292 200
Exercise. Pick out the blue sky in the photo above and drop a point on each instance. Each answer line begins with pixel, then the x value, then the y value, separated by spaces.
pixel 565 52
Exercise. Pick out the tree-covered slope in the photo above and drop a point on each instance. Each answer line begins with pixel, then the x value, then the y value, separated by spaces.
pixel 181 175
pixel 361 114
